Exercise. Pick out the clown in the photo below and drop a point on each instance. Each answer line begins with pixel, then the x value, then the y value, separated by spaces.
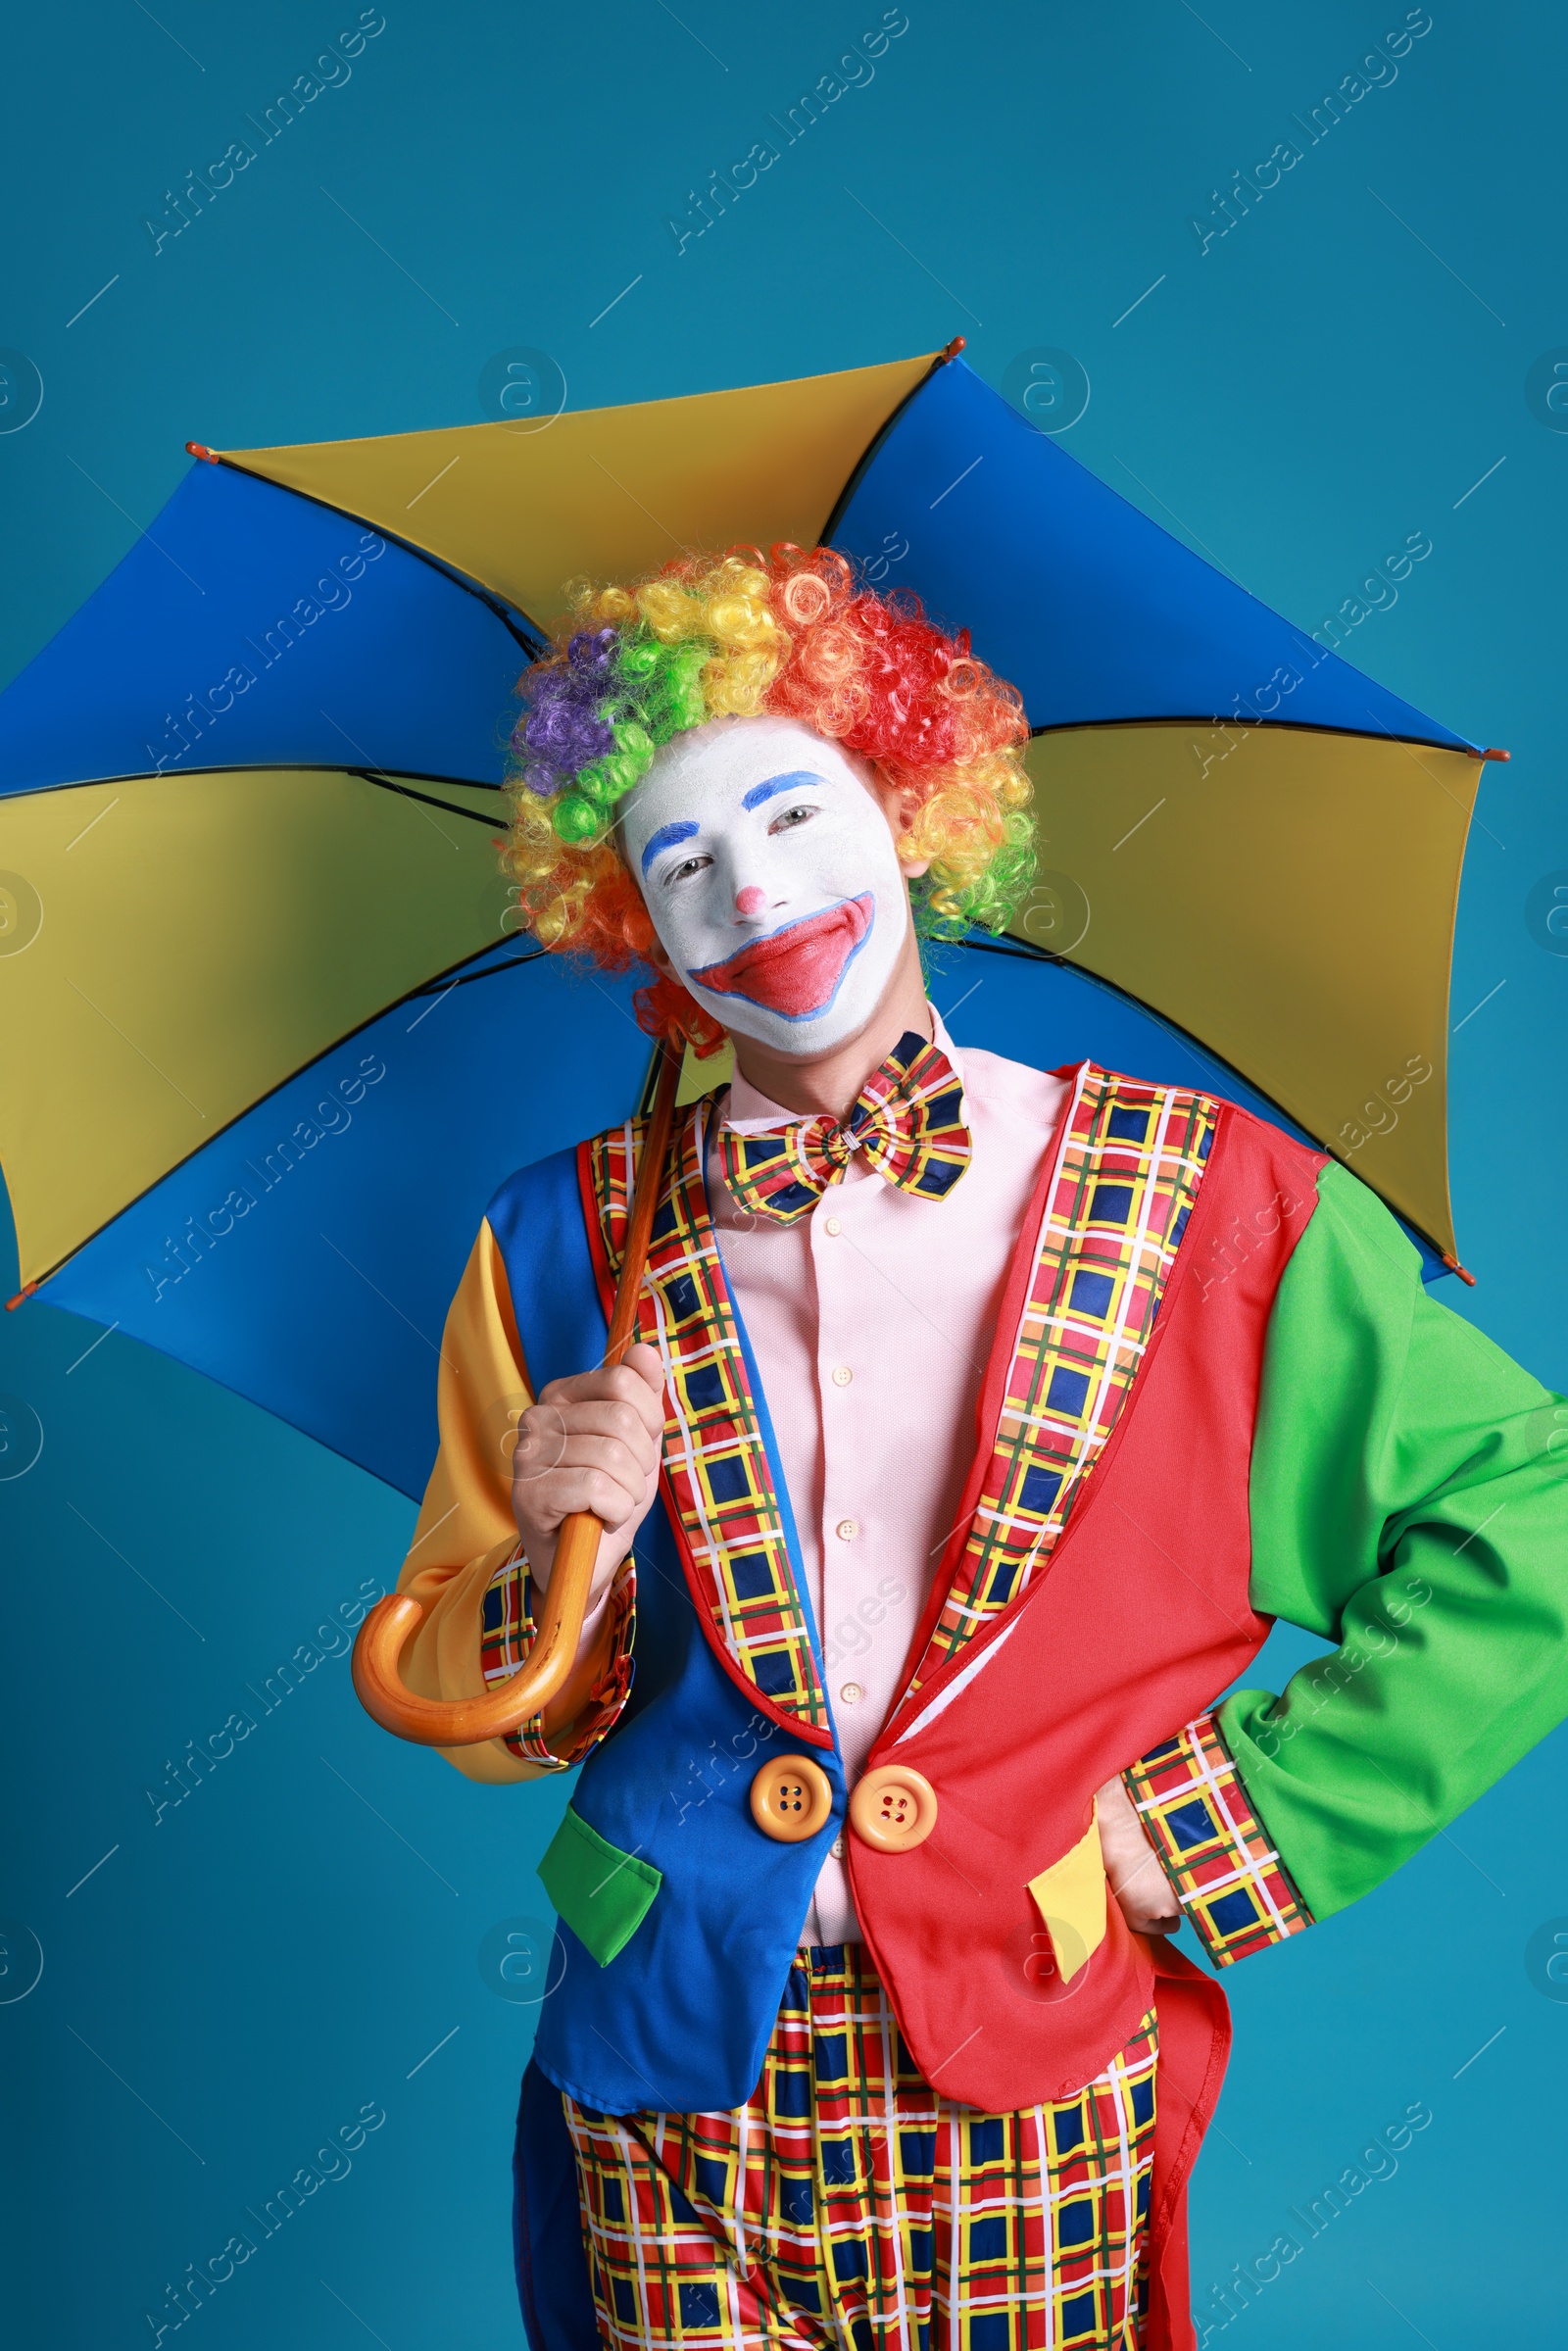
pixel 958 1470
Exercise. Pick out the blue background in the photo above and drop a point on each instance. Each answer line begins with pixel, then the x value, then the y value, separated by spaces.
pixel 232 1984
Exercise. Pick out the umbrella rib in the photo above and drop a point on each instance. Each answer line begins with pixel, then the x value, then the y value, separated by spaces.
pixel 858 470
pixel 404 792
pixel 150 775
pixel 1233 724
pixel 525 631
pixel 465 979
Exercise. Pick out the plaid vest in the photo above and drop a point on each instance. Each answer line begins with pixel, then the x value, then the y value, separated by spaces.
pixel 1094 1599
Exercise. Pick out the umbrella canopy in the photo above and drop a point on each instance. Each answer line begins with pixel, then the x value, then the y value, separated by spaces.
pixel 248 892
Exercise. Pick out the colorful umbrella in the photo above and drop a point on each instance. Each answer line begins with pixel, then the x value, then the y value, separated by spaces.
pixel 266 1046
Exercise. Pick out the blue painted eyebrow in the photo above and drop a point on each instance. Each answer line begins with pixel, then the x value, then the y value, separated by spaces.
pixel 667 837
pixel 778 783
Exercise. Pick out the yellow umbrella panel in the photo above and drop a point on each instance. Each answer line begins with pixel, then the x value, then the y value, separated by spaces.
pixel 270 912
pixel 1288 896
pixel 608 493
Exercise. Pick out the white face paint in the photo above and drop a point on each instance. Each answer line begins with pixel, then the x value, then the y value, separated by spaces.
pixel 771 874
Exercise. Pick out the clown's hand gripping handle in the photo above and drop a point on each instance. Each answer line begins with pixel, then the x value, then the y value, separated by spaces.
pixel 504 1708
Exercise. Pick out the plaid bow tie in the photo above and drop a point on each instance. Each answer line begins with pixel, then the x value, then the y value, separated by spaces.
pixel 909 1121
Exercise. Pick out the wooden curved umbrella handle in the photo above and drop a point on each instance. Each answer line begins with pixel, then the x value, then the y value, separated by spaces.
pixel 499 1711
pixel 503 1709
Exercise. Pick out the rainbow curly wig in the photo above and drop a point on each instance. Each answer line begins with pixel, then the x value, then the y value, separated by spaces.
pixel 788 634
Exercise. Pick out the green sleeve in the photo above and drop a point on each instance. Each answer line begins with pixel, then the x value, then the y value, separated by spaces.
pixel 1409 1500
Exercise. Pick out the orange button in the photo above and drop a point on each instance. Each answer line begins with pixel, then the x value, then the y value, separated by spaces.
pixel 792 1797
pixel 893 1808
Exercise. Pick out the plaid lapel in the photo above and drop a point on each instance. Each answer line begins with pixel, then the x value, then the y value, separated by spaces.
pixel 1127 1172
pixel 719 1482
pixel 1128 1166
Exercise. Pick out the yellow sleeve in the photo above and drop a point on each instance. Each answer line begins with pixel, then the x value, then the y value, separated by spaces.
pixel 466 1531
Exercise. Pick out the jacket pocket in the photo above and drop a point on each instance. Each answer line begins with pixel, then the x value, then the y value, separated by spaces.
pixel 602 1893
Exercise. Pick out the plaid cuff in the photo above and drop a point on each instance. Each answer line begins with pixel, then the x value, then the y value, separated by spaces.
pixel 1216 1852
pixel 506 1635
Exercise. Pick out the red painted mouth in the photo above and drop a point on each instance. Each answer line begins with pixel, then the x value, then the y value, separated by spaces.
pixel 796 971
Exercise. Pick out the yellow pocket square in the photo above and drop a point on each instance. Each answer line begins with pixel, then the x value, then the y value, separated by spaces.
pixel 1070 1898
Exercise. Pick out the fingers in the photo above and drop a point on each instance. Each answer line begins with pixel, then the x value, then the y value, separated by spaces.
pixel 1142 1922
pixel 630 1469
pixel 1145 1900
pixel 646 1362
pixel 590 1442
pixel 578 1486
pixel 554 1436
pixel 638 1384
pixel 1142 1886
pixel 1133 1867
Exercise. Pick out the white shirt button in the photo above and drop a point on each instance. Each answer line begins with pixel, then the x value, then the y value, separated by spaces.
pixel 831 1224
pixel 841 1375
pixel 847 1529
pixel 851 1694
pixel 836 1849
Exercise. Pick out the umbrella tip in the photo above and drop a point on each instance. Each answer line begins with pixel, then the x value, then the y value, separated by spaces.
pixel 952 350
pixel 1453 1265
pixel 198 449
pixel 1496 754
pixel 25 1292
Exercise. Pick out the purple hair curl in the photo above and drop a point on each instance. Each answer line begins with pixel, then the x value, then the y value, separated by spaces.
pixel 563 728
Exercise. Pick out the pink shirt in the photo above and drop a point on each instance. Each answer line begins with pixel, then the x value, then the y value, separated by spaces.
pixel 871 1320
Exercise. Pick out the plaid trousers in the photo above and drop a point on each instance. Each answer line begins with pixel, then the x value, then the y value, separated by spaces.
pixel 848 2204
